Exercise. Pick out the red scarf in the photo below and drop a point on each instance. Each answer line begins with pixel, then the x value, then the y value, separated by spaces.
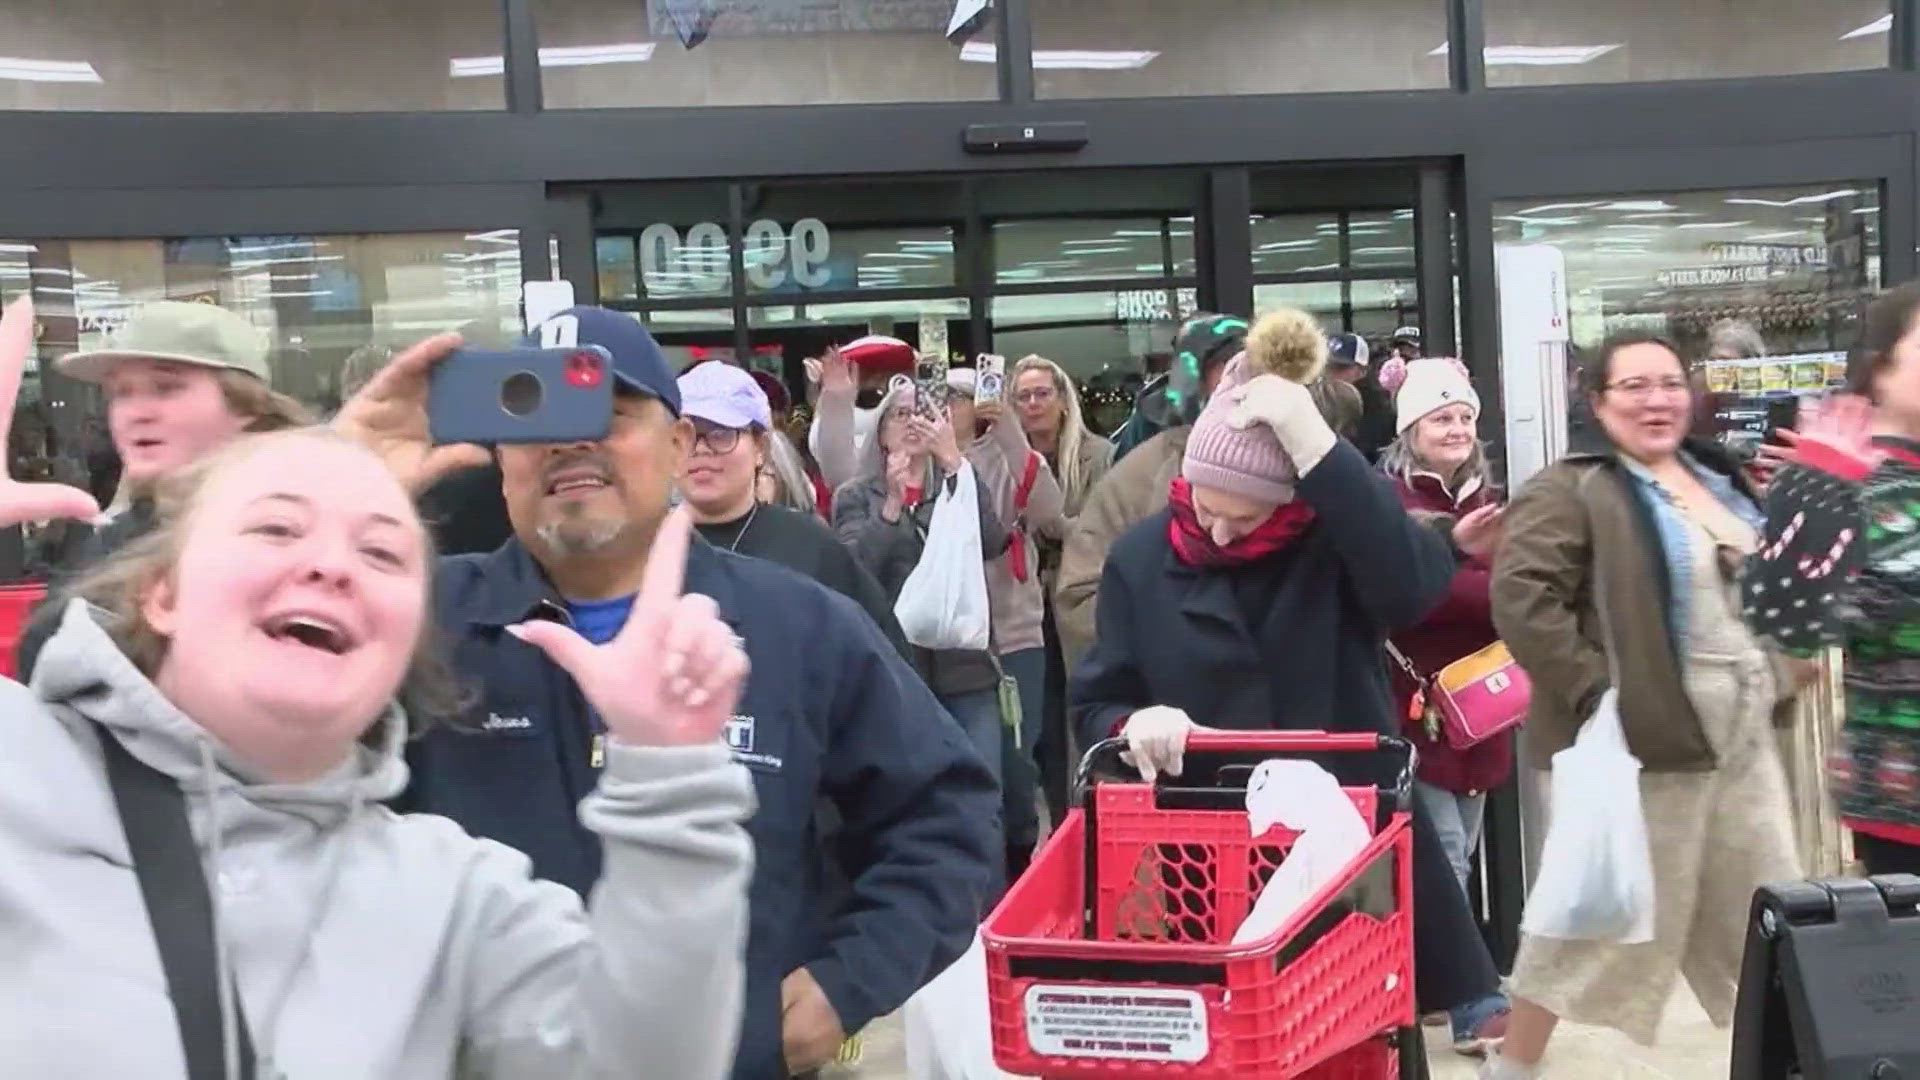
pixel 1193 545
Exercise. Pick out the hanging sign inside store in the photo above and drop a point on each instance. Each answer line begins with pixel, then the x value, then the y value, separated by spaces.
pixel 700 259
pixel 1769 254
pixel 1154 305
pixel 1698 276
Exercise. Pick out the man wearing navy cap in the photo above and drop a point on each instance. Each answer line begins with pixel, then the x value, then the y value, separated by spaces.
pixel 830 711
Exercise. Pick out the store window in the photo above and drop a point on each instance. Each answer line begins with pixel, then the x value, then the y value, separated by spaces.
pixel 334 308
pixel 633 53
pixel 1765 285
pixel 1352 269
pixel 285 56
pixel 1148 48
pixel 1540 42
pixel 1092 249
pixel 1111 341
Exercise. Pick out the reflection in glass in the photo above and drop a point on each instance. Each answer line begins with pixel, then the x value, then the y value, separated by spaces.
pixel 1091 249
pixel 1538 42
pixel 1321 299
pixel 284 56
pixel 1381 307
pixel 334 307
pixel 1148 48
pixel 628 54
pixel 1296 243
pixel 811 255
pixel 1767 285
pixel 1109 342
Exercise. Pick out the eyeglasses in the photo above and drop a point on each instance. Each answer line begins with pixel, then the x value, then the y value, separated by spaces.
pixel 717 440
pixel 1039 395
pixel 1644 388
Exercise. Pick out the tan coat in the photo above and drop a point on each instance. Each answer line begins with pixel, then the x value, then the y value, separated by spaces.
pixel 1135 488
pixel 1576 524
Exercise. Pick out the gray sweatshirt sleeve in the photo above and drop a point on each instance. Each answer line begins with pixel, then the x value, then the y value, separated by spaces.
pixel 652 976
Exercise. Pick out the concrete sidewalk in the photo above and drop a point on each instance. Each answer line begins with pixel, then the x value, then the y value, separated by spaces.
pixel 1690 1048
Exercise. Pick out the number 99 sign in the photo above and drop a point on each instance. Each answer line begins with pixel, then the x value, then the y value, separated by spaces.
pixel 699 262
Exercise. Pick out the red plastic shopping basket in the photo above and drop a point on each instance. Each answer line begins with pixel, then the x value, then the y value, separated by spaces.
pixel 1112 955
pixel 16 604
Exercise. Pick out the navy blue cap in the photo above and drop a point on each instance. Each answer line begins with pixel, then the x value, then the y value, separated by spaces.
pixel 638 363
pixel 1347 350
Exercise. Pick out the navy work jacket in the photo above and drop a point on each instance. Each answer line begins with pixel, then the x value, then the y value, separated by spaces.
pixel 830 710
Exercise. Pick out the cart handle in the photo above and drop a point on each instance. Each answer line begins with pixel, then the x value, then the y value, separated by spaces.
pixel 1283 743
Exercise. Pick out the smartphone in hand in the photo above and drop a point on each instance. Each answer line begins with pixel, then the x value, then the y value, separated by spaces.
pixel 990 384
pixel 521 395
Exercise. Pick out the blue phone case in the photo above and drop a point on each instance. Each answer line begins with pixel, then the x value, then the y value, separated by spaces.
pixel 521 396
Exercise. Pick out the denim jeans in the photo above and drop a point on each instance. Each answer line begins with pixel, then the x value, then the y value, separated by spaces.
pixel 1020 772
pixel 978 714
pixel 1458 820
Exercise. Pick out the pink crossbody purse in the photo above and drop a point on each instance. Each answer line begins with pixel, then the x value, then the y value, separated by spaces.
pixel 1472 699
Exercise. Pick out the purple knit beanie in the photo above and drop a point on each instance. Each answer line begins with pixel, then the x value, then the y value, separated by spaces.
pixel 1249 461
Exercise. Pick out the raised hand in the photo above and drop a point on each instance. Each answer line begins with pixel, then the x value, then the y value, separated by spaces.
pixel 674 673
pixel 1836 436
pixel 1477 532
pixel 389 417
pixel 21 503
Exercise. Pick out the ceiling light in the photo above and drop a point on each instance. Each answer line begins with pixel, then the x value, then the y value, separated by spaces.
pixel 1561 206
pixel 1804 200
pixel 985 52
pixel 1713 224
pixel 1881 25
pixel 18 249
pixel 1639 204
pixel 576 56
pixel 1867 210
pixel 1539 55
pixel 24 70
pixel 1785 234
pixel 1380 250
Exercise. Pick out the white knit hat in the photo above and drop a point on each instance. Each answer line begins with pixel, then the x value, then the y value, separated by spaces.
pixel 1433 383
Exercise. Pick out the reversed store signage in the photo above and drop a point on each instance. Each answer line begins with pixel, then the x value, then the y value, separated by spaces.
pixel 699 260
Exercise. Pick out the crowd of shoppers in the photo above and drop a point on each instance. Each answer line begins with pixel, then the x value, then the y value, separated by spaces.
pixel 717 811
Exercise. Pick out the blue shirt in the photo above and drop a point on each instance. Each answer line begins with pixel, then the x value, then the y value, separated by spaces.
pixel 1675 540
pixel 599 621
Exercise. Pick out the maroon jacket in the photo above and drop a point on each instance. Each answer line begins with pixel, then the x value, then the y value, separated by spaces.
pixel 1460 626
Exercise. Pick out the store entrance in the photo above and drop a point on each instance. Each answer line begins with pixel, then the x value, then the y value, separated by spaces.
pixel 1092 269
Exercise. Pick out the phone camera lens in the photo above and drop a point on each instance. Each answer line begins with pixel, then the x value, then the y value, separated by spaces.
pixel 583 370
pixel 521 393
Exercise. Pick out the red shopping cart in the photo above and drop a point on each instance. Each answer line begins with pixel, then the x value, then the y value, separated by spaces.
pixel 1111 957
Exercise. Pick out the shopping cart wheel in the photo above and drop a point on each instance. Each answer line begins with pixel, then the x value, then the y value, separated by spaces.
pixel 1413 1053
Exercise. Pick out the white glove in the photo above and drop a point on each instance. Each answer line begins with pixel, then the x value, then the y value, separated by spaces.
pixel 1289 410
pixel 1157 741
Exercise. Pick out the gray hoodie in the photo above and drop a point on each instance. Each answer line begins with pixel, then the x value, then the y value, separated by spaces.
pixel 365 944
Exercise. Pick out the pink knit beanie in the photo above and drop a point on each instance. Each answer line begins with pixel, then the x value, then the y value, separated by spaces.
pixel 1249 461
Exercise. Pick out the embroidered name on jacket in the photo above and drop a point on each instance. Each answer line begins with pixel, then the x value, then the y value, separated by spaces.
pixel 739 734
pixel 496 722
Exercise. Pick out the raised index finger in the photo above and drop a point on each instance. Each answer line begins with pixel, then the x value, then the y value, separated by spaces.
pixel 666 572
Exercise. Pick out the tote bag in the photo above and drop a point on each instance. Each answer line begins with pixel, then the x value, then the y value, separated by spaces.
pixel 943 604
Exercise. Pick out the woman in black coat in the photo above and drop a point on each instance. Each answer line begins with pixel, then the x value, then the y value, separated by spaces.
pixel 1261 598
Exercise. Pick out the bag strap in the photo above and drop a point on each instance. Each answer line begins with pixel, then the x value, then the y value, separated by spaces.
pixel 1406 665
pixel 1024 490
pixel 153 813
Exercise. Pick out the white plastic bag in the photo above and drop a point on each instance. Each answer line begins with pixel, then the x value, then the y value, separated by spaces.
pixel 943 604
pixel 948 1034
pixel 1596 871
pixel 1304 797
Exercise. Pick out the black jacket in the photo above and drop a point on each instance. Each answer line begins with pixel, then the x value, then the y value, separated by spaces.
pixel 1170 634
pixel 803 543
pixel 830 710
pixel 1174 635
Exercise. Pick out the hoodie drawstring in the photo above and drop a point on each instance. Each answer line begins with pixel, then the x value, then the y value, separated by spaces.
pixel 268 1025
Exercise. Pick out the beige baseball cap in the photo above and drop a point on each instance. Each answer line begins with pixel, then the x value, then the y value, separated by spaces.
pixel 183 332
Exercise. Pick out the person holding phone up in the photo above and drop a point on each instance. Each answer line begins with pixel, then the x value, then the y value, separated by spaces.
pixel 1029 500
pixel 830 710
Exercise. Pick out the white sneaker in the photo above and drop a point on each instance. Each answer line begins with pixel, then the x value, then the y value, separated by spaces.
pixel 1499 1068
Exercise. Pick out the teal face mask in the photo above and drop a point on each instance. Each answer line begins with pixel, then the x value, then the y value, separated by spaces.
pixel 1200 343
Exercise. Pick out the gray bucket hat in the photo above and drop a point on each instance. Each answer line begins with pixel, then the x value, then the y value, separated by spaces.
pixel 185 333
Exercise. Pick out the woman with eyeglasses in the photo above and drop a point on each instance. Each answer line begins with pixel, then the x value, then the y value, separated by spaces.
pixel 1618 567
pixel 722 485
